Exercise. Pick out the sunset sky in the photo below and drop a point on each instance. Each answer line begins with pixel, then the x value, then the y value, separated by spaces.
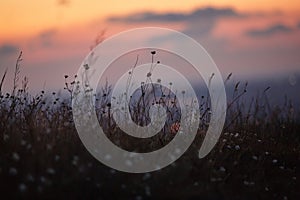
pixel 250 38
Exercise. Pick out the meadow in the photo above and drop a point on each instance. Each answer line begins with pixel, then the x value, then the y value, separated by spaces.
pixel 42 157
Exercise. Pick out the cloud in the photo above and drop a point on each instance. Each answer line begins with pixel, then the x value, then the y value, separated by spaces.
pixel 46 37
pixel 201 13
pixel 63 2
pixel 42 40
pixel 269 31
pixel 8 49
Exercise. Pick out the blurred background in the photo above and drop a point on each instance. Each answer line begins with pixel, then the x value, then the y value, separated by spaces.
pixel 257 156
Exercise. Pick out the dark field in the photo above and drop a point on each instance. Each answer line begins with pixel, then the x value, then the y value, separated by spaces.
pixel 42 157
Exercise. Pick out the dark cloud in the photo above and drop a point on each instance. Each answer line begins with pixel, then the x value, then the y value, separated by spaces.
pixel 277 28
pixel 46 37
pixel 201 13
pixel 8 49
pixel 200 28
pixel 63 2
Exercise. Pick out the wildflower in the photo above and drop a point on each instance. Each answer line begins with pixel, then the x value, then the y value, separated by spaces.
pixel 153 52
pixel 50 171
pixel 149 74
pixel 222 169
pixel 275 161
pixel 5 137
pixel 281 167
pixel 28 146
pixel 66 76
pixel 13 171
pixel 175 127
pixel 146 176
pixel 22 187
pixel 75 160
pixel 16 156
pixel 237 147
pixel 56 157
pixel 86 66
pixel 251 183
pixel 43 179
pixel 148 190
pixel 254 157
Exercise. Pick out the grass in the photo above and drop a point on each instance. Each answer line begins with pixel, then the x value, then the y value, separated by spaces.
pixel 42 156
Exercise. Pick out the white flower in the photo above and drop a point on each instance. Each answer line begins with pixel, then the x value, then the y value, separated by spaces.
pixel 22 187
pixel 16 156
pixel 57 157
pixel 146 176
pixel 13 171
pixel 5 137
pixel 222 169
pixel 147 191
pixel 281 167
pixel 50 171
pixel 237 147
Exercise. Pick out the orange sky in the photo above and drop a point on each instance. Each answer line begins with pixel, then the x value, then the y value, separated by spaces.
pixel 25 18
